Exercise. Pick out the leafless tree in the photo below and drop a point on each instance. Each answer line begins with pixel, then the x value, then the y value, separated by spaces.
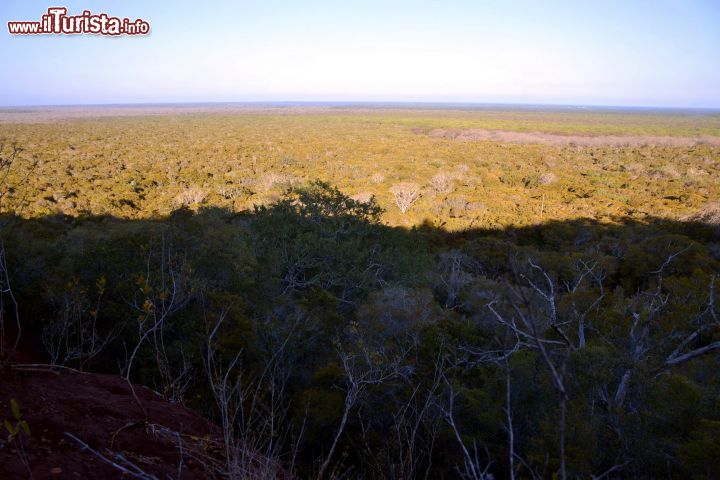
pixel 74 336
pixel 8 158
pixel 509 424
pixel 253 412
pixel 442 183
pixel 166 288
pixel 405 194
pixel 707 320
pixel 500 356
pixel 532 316
pixel 682 346
pixel 532 322
pixel 225 386
pixel 7 296
pixel 473 467
pixel 362 369
pixel 455 273
pixel 407 453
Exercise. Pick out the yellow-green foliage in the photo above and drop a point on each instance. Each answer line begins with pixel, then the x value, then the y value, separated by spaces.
pixel 143 167
pixel 17 425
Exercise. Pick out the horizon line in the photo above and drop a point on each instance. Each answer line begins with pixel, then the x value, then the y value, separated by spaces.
pixel 372 103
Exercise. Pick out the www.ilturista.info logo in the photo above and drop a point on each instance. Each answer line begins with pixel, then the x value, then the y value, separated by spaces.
pixel 57 21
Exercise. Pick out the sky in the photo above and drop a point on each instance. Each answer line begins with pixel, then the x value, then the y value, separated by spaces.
pixel 568 52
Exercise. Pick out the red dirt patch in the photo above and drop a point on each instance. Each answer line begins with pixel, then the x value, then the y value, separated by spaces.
pixel 101 411
pixel 571 140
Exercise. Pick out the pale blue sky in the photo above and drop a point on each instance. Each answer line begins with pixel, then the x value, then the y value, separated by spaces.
pixel 601 52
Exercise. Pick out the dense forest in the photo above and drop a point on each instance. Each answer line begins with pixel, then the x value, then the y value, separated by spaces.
pixel 332 343
pixel 569 346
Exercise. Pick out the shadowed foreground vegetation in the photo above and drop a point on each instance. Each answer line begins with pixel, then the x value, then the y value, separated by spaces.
pixel 316 335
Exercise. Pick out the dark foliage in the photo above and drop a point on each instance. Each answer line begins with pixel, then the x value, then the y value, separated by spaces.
pixel 317 298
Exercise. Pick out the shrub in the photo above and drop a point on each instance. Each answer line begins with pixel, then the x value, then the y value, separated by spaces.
pixel 363 197
pixel 547 178
pixel 441 183
pixel 405 194
pixel 710 214
pixel 377 178
pixel 190 196
pixel 270 180
pixel 635 169
pixel 231 192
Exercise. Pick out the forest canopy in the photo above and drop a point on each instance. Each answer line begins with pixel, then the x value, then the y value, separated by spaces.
pixel 475 324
